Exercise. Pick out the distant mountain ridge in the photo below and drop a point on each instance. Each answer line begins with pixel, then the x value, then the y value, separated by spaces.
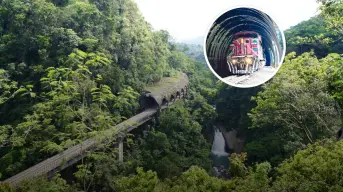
pixel 195 41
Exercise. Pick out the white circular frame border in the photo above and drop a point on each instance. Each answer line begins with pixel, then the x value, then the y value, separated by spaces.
pixel 209 28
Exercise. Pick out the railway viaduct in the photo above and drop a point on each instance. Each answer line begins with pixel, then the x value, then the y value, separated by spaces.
pixel 154 99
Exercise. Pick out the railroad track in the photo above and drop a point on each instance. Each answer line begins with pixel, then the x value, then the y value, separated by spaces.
pixel 235 79
pixel 257 77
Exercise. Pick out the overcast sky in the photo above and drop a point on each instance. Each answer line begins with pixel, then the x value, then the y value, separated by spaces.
pixel 188 19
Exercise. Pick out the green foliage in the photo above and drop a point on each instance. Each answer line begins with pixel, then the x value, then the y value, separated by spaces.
pixel 127 102
pixel 174 145
pixel 331 10
pixel 296 105
pixel 322 33
pixel 237 167
pixel 42 184
pixel 335 76
pixel 202 111
pixel 265 145
pixel 194 51
pixel 98 171
pixel 257 180
pixel 6 188
pixel 203 81
pixel 75 106
pixel 69 69
pixel 177 60
pixel 10 90
pixel 143 181
pixel 72 68
pixel 196 179
pixel 313 34
pixel 232 106
pixel 317 168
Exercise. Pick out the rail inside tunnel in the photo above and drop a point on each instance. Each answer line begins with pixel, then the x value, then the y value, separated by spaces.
pixel 237 20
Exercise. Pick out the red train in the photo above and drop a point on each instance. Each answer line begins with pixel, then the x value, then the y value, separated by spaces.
pixel 246 53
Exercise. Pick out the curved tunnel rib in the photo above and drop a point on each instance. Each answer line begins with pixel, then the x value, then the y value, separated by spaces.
pixel 238 20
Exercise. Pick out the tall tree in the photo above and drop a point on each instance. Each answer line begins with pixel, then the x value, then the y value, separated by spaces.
pixel 296 105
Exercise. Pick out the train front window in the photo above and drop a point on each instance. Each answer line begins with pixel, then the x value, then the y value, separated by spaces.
pixel 252 35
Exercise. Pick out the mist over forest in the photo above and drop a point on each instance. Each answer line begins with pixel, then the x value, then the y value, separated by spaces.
pixel 195 41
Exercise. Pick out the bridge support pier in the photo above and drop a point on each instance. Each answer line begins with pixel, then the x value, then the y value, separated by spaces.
pixel 120 150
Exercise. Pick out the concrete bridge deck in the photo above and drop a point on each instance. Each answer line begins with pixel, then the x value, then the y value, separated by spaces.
pixel 68 157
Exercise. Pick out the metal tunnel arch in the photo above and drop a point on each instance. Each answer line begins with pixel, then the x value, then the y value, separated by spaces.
pixel 237 20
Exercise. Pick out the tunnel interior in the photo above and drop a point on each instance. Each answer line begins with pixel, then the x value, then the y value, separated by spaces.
pixel 237 20
pixel 147 102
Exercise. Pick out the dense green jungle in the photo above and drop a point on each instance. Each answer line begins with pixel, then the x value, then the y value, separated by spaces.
pixel 72 68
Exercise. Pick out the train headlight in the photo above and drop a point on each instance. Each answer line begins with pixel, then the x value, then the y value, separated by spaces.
pixel 248 61
pixel 234 61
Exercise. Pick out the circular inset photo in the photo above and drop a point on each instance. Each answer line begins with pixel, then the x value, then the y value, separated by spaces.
pixel 244 47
